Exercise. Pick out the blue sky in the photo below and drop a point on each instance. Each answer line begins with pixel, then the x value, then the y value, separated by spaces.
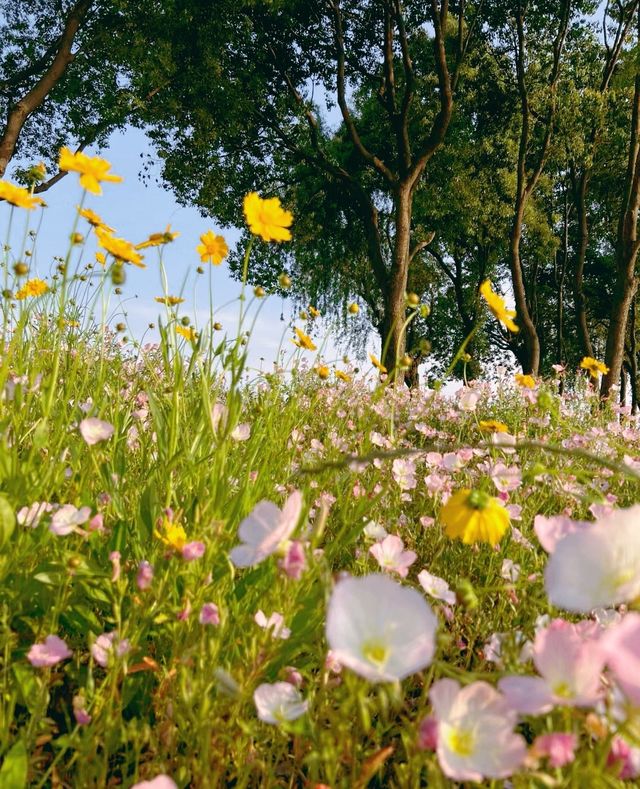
pixel 136 209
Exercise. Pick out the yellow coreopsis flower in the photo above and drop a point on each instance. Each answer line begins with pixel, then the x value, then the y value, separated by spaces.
pixel 213 248
pixel 593 366
pixel 343 376
pixel 496 304
pixel 170 301
pixel 314 312
pixel 526 381
pixel 323 371
pixel 93 169
pixel 377 363
pixel 303 341
pixel 158 239
pixel 172 534
pixel 267 218
pixel 32 287
pixel 18 196
pixel 493 426
pixel 94 220
pixel 119 248
pixel 474 516
pixel 187 332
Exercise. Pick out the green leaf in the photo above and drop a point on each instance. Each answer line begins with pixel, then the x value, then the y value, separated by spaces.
pixel 13 773
pixel 7 521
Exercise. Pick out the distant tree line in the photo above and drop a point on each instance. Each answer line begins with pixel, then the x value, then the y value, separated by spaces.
pixel 422 146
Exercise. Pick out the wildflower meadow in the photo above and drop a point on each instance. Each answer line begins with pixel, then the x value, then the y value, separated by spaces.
pixel 312 576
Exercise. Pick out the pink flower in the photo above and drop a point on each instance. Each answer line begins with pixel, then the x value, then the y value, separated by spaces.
pixel 81 715
pixel 265 530
pixel 159 782
pixel 94 430
pixel 621 646
pixel 436 587
pixel 391 556
pixel 506 478
pixel 294 562
pixel 109 644
pixel 193 550
pixel 475 737
pixel 52 651
pixel 144 578
pixel 65 520
pixel 570 664
pixel 114 558
pixel 275 623
pixel 625 757
pixel 278 702
pixel 241 432
pixel 30 516
pixel 209 614
pixel 428 734
pixel 558 747
pixel 404 473
pixel 96 523
pixel 550 530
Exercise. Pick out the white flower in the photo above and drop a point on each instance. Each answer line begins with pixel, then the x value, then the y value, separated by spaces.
pixel 374 531
pixel 510 571
pixel 265 529
pixel 30 516
pixel 94 430
pixel 404 473
pixel 436 587
pixel 475 731
pixel 279 702
pixel 598 567
pixel 275 622
pixel 391 556
pixel 379 629
pixel 241 432
pixel 65 520
pixel 467 399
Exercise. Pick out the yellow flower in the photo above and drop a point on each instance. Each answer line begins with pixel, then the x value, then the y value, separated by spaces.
pixel 343 376
pixel 172 535
pixel 267 218
pixel 158 239
pixel 593 366
pixel 101 258
pixel 314 312
pixel 323 371
pixel 377 363
pixel 474 516
pixel 496 304
pixel 187 332
pixel 353 308
pixel 213 248
pixel 119 248
pixel 18 196
pixel 94 220
pixel 526 381
pixel 32 287
pixel 92 169
pixel 493 425
pixel 170 301
pixel 303 341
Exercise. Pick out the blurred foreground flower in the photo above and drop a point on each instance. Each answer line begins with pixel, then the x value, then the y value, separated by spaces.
pixel 18 196
pixel 94 430
pixel 158 239
pixel 93 170
pixel 597 567
pixel 279 702
pixel 379 629
pixel 475 731
pixel 52 651
pixel 474 516
pixel 267 218
pixel 265 530
pixel 497 305
pixel 159 782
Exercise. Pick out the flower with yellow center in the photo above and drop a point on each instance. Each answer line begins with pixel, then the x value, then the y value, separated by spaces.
pixel 474 516
pixel 172 534
pixel 303 341
pixel 323 371
pixel 18 196
pixel 119 248
pixel 496 304
pixel 526 381
pixel 158 239
pixel 94 220
pixel 213 248
pixel 170 301
pixel 377 363
pixel 93 169
pixel 493 426
pixel 593 366
pixel 187 332
pixel 267 218
pixel 343 376
pixel 32 287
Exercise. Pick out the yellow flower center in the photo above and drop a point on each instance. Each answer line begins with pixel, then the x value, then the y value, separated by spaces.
pixel 478 500
pixel 562 690
pixel 461 741
pixel 375 652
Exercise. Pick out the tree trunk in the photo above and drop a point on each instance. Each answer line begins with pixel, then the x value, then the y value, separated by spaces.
pixel 395 311
pixel 581 255
pixel 531 356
